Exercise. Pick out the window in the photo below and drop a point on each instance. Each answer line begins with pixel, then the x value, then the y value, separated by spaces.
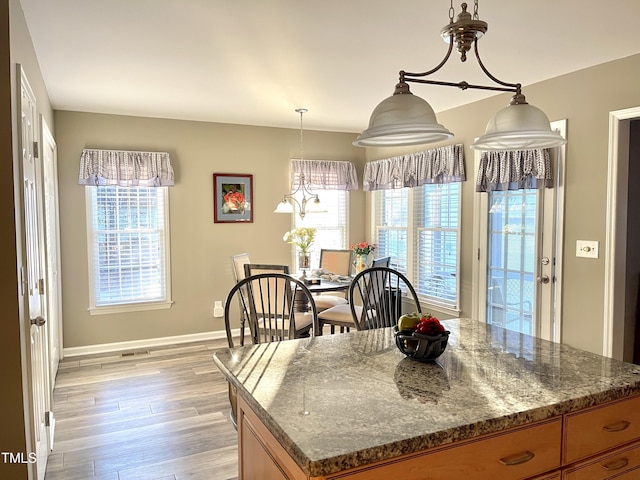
pixel 419 229
pixel 331 225
pixel 128 245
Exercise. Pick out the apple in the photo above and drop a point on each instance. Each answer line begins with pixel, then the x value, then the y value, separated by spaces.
pixel 408 321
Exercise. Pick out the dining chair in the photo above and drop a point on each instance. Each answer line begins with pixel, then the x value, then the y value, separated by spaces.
pixel 256 268
pixel 376 296
pixel 237 265
pixel 381 262
pixel 337 262
pixel 271 304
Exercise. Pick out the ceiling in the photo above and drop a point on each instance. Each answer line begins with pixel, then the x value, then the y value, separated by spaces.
pixel 255 61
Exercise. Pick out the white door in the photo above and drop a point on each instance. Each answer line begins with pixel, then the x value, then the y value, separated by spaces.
pixel 52 249
pixel 519 260
pixel 33 281
pixel 53 284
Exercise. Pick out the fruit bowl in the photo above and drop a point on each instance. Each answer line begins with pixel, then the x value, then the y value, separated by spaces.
pixel 425 348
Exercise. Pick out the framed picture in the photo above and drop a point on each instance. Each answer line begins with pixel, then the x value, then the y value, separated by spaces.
pixel 232 198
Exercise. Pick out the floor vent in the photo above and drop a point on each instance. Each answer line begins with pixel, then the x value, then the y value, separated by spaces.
pixel 131 354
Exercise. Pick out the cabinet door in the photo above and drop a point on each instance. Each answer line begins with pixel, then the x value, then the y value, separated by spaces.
pixel 593 431
pixel 257 464
pixel 519 453
pixel 617 464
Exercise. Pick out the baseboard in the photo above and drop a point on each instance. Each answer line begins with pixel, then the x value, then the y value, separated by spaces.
pixel 145 343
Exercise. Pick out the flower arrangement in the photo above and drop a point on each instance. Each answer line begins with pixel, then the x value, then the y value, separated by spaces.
pixel 302 238
pixel 363 248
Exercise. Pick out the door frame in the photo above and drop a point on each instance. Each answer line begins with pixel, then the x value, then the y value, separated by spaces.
pixel 615 247
pixel 478 300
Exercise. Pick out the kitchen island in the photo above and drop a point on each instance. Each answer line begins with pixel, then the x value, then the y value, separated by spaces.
pixel 496 404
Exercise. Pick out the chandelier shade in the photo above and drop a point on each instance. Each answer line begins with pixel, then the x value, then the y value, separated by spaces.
pixel 405 119
pixel 402 119
pixel 518 126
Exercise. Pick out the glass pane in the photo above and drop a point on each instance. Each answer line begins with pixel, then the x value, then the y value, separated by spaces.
pixel 512 258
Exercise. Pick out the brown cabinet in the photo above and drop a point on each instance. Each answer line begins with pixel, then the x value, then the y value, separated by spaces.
pixel 598 443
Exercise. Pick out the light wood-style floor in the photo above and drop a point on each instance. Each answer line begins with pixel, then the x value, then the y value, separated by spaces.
pixel 159 414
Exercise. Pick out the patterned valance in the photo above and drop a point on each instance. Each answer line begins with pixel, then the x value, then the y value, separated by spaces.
pixel 125 169
pixel 324 174
pixel 514 170
pixel 439 165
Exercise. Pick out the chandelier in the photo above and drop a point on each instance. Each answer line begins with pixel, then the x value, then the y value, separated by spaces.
pixel 301 198
pixel 406 119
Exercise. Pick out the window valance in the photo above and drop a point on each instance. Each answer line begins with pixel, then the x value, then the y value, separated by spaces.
pixel 514 170
pixel 439 165
pixel 125 168
pixel 325 174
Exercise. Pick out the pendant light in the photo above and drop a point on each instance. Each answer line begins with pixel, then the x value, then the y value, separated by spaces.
pixel 309 202
pixel 406 119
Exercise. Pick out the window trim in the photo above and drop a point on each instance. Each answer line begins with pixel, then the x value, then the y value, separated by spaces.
pixel 127 307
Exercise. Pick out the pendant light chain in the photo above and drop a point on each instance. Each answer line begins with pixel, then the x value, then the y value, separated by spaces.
pixel 452 12
pixel 475 10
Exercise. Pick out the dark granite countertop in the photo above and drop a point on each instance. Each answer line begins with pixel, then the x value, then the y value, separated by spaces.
pixel 340 401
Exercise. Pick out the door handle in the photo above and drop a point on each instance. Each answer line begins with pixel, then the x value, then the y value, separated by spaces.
pixel 39 321
pixel 544 279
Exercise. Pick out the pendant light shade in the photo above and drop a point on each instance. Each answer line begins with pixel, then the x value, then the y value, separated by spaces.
pixel 402 119
pixel 518 126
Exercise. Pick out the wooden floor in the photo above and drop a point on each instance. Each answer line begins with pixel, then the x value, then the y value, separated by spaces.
pixel 159 414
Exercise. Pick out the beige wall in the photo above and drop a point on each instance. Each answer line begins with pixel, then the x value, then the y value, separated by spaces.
pixel 200 248
pixel 585 99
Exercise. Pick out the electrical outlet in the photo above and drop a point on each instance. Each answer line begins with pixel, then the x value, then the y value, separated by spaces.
pixel 218 311
pixel 587 248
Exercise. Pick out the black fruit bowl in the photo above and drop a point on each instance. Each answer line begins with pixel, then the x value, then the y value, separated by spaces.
pixel 424 348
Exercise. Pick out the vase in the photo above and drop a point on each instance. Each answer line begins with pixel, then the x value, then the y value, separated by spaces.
pixel 361 262
pixel 304 260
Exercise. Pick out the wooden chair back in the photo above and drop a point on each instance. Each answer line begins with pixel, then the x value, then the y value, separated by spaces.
pixel 336 261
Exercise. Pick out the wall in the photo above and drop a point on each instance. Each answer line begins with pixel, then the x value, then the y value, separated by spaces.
pixel 585 99
pixel 200 249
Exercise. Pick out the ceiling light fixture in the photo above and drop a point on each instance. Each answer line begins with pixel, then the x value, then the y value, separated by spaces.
pixel 405 119
pixel 309 202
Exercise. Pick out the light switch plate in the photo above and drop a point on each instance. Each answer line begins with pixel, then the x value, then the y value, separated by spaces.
pixel 587 248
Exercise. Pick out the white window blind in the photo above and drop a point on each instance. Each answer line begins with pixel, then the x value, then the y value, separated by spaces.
pixel 419 228
pixel 128 247
pixel 436 221
pixel 392 226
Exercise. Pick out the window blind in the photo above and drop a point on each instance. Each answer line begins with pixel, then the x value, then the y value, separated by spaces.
pixel 436 220
pixel 128 247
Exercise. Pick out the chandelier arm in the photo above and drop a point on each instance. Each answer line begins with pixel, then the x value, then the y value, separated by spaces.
pixel 291 199
pixel 462 85
pixel 516 86
pixel 434 70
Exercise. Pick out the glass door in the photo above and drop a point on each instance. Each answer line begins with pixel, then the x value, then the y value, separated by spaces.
pixel 518 239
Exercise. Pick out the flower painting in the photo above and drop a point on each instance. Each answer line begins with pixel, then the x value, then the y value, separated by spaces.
pixel 232 198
